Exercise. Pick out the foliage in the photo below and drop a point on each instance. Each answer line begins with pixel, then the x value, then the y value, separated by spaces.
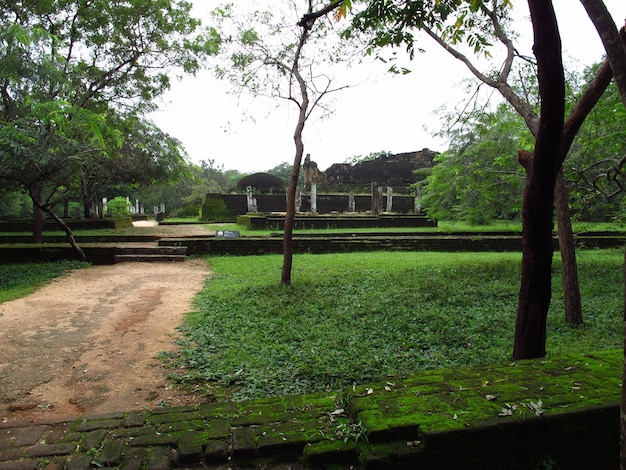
pixel 19 280
pixel 214 209
pixel 366 158
pixel 283 171
pixel 395 23
pixel 596 189
pixel 15 204
pixel 262 182
pixel 355 318
pixel 478 178
pixel 77 78
pixel 118 207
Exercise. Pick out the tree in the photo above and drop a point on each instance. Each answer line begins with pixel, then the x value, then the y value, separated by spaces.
pixel 478 179
pixel 615 47
pixel 478 24
pixel 270 58
pixel 596 188
pixel 147 156
pixel 92 59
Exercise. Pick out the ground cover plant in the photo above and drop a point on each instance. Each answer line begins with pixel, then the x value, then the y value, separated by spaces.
pixel 359 317
pixel 19 280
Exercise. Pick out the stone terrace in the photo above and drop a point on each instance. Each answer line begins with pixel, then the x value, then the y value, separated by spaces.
pixel 560 411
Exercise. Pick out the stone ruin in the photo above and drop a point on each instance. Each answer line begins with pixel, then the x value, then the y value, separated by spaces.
pixel 392 170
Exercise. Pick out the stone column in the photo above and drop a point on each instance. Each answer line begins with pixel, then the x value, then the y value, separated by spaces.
pixel 313 198
pixel 351 203
pixel 375 206
pixel 389 198
pixel 250 200
pixel 417 207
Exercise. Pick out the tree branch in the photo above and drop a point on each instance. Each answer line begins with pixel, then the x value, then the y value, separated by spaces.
pixel 309 18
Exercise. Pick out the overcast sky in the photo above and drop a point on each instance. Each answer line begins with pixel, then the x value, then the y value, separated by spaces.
pixel 383 112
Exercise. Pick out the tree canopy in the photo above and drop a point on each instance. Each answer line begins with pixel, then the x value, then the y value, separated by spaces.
pixel 76 80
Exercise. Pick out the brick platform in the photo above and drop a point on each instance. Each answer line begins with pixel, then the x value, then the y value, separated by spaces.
pixel 560 411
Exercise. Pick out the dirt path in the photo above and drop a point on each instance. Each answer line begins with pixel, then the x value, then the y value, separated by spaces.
pixel 86 343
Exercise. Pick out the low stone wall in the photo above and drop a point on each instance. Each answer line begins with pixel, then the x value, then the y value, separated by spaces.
pixel 556 412
pixel 302 222
pixel 356 242
pixel 82 224
pixel 316 243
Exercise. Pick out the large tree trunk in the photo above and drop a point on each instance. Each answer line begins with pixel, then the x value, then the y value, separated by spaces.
pixel 537 212
pixel 569 270
pixel 615 47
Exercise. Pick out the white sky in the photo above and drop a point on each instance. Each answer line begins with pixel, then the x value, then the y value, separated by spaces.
pixel 383 113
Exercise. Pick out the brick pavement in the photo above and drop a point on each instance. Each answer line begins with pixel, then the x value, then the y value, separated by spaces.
pixel 491 416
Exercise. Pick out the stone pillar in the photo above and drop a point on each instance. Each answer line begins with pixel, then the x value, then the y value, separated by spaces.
pixel 417 207
pixel 313 198
pixel 380 199
pixel 375 205
pixel 389 198
pixel 252 207
pixel 351 203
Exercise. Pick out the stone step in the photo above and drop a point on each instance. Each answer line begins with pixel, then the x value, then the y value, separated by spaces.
pixel 147 258
pixel 151 250
pixel 149 253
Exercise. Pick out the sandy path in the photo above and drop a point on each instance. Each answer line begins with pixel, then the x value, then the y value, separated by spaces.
pixel 86 343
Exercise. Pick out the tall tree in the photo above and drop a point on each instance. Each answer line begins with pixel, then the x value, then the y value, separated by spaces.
pixel 93 55
pixel 615 47
pixel 478 24
pixel 478 178
pixel 285 61
pixel 542 169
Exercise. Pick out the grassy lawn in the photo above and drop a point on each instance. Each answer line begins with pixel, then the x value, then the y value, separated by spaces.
pixel 353 318
pixel 19 280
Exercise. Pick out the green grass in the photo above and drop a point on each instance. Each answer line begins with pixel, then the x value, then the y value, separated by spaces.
pixel 355 318
pixel 19 280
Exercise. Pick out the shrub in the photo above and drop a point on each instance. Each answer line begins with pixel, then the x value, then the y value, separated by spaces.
pixel 263 183
pixel 214 210
pixel 118 207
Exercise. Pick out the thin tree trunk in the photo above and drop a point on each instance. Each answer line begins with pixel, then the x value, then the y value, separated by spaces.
pixel 622 420
pixel 291 214
pixel 569 269
pixel 295 171
pixel 68 231
pixel 537 213
pixel 37 214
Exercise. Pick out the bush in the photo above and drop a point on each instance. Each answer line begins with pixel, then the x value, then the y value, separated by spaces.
pixel 214 210
pixel 264 183
pixel 118 207
pixel 190 209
